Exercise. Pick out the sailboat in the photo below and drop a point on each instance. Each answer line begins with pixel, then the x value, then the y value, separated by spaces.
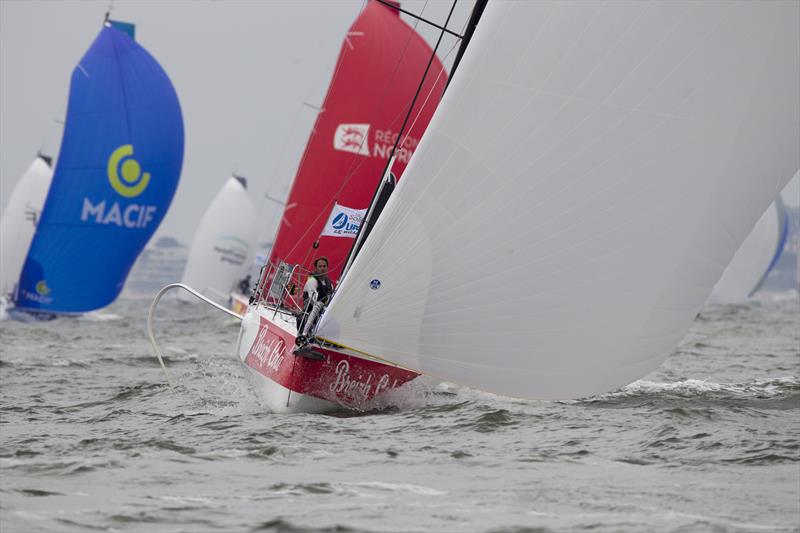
pixel 376 77
pixel 117 171
pixel 19 221
pixel 222 245
pixel 589 173
pixel 755 258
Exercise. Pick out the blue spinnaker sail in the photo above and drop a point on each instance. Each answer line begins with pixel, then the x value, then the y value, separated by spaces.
pixel 117 172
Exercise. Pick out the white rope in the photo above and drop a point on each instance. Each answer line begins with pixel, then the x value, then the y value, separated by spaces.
pixel 153 308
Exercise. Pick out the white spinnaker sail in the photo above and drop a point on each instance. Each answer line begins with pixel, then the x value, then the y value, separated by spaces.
pixel 752 261
pixel 18 223
pixel 221 249
pixel 587 177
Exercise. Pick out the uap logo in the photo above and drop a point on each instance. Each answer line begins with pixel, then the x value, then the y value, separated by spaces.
pixel 132 181
pixel 42 288
pixel 352 138
pixel 339 221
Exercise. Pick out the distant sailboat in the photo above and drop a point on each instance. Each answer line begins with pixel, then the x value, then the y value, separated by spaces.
pixel 117 171
pixel 222 245
pixel 755 258
pixel 20 217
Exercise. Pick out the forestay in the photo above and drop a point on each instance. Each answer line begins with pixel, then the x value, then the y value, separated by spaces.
pixel 380 65
pixel 588 175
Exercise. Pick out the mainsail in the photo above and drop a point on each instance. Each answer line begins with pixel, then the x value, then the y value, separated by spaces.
pixel 20 218
pixel 117 171
pixel 587 176
pixel 223 242
pixel 380 66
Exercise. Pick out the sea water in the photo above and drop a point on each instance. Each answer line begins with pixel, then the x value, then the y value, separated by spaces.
pixel 93 439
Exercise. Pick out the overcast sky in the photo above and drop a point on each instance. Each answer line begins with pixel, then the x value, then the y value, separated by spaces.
pixel 242 71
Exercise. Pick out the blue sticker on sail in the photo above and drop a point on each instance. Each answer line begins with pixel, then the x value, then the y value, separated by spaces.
pixel 117 172
pixel 340 221
pixel 375 284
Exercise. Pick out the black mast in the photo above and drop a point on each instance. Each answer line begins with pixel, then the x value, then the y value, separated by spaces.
pixel 386 185
pixel 372 215
pixel 477 11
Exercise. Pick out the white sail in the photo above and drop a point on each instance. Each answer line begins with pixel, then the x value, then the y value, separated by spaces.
pixel 19 220
pixel 223 242
pixel 752 261
pixel 589 174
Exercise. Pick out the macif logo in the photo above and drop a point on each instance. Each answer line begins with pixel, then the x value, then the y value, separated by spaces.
pixel 42 294
pixel 126 177
pixel 340 221
pixel 133 181
pixel 352 138
pixel 42 288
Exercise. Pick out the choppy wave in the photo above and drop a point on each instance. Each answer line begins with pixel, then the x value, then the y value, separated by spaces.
pixel 92 437
pixel 693 388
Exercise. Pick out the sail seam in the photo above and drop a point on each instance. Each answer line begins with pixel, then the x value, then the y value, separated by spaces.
pixel 122 87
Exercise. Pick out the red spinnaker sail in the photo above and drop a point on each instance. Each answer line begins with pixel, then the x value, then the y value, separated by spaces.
pixel 380 66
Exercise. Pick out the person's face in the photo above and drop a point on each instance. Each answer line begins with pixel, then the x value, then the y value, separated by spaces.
pixel 322 267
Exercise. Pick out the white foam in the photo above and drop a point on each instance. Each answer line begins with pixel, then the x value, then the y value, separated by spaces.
pixel 98 316
pixel 770 387
pixel 400 487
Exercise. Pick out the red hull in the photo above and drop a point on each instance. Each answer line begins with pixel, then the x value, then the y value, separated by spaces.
pixel 340 378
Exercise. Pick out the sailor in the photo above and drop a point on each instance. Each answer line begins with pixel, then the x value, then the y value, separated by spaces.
pixel 318 288
pixel 244 285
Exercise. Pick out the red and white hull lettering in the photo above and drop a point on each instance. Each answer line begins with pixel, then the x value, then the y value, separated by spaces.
pixel 292 383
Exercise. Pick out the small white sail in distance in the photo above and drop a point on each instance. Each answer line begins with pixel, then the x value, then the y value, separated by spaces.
pixel 18 223
pixel 587 177
pixel 222 245
pixel 752 261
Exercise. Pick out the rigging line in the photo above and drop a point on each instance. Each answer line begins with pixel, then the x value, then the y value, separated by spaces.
pixel 313 131
pixel 387 168
pixel 339 63
pixel 351 175
pixel 418 17
pixel 356 161
pixel 425 102
pixel 408 134
pixel 469 29
pixel 338 67
pixel 361 161
pixel 419 88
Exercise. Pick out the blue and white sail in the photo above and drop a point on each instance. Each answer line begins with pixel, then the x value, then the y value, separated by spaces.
pixel 117 172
